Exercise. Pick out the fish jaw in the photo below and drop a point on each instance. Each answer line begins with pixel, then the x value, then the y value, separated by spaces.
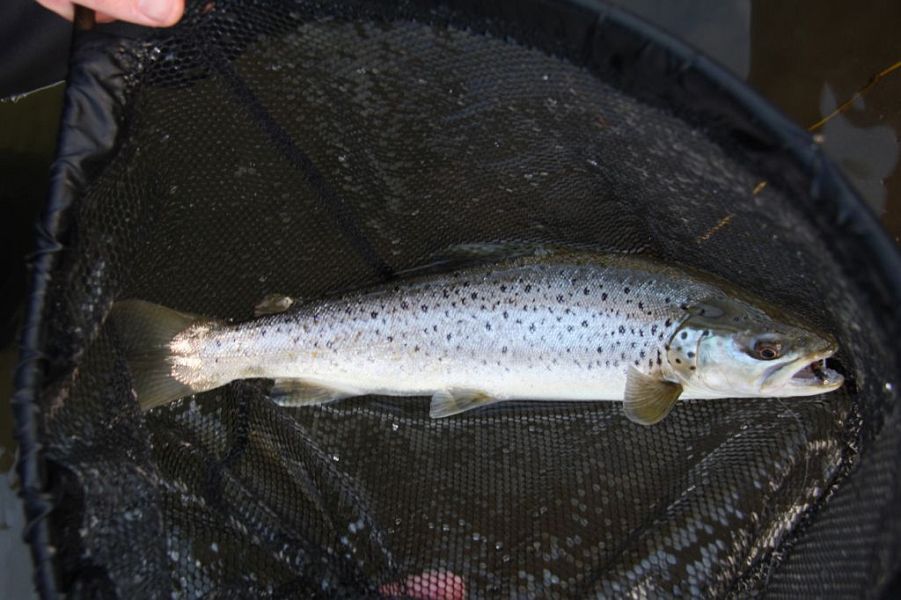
pixel 805 376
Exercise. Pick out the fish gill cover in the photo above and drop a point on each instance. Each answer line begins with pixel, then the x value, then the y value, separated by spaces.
pixel 307 148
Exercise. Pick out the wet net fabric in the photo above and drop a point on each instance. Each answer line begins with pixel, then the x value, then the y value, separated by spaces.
pixel 309 148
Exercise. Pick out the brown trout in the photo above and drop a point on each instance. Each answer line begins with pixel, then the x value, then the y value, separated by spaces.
pixel 572 327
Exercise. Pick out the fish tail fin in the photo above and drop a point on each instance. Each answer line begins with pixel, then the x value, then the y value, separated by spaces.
pixel 146 331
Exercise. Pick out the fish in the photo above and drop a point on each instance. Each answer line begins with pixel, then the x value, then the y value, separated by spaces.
pixel 555 327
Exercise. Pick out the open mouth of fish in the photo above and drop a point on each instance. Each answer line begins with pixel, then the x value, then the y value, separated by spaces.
pixel 816 373
pixel 809 372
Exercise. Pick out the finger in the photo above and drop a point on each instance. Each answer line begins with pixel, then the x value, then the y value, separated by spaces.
pixel 431 585
pixel 154 13
pixel 157 13
pixel 63 8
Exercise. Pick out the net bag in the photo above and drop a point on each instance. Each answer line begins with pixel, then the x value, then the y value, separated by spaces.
pixel 303 148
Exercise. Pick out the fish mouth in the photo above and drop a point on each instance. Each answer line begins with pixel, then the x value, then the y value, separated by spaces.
pixel 806 376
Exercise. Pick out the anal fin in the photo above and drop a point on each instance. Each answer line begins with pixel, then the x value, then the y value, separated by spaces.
pixel 298 392
pixel 451 402
pixel 648 400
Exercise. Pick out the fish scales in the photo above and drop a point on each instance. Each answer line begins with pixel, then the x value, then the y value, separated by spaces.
pixel 536 329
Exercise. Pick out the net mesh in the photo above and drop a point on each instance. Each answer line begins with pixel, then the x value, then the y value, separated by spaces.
pixel 306 148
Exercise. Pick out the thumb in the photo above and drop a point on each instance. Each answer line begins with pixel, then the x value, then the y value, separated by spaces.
pixel 154 13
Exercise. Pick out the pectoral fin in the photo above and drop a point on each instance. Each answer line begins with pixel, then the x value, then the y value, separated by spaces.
pixel 451 402
pixel 297 392
pixel 648 399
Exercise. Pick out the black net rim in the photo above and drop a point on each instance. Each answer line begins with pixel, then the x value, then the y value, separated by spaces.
pixel 616 46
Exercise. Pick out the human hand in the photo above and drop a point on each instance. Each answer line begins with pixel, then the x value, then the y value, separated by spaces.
pixel 154 13
pixel 431 585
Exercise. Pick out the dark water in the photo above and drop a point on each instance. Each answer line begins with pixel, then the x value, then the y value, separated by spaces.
pixel 806 56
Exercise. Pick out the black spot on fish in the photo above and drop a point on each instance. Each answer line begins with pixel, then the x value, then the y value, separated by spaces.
pixel 706 332
pixel 622 355
pixel 263 332
pixel 626 290
pixel 424 308
pixel 666 300
pixel 600 350
pixel 684 335
pixel 532 327
pixel 390 338
pixel 435 328
pixel 449 336
pixel 678 361
pixel 373 314
pixel 659 362
pixel 584 323
pixel 641 305
pixel 503 288
pixel 636 363
pixel 622 329
pixel 405 305
pixel 504 350
pixel 692 368
pixel 653 329
pixel 666 347
pixel 569 328
pixel 691 355
pixel 642 354
pixel 683 306
pixel 560 298
pixel 604 297
pixel 488 326
pixel 473 295
pixel 506 315
pixel 669 322
pixel 219 343
pixel 528 288
pixel 415 348
pixel 585 291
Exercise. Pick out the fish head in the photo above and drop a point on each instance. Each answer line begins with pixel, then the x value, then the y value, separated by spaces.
pixel 729 348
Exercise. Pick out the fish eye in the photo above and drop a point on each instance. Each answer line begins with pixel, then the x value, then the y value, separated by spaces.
pixel 767 350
